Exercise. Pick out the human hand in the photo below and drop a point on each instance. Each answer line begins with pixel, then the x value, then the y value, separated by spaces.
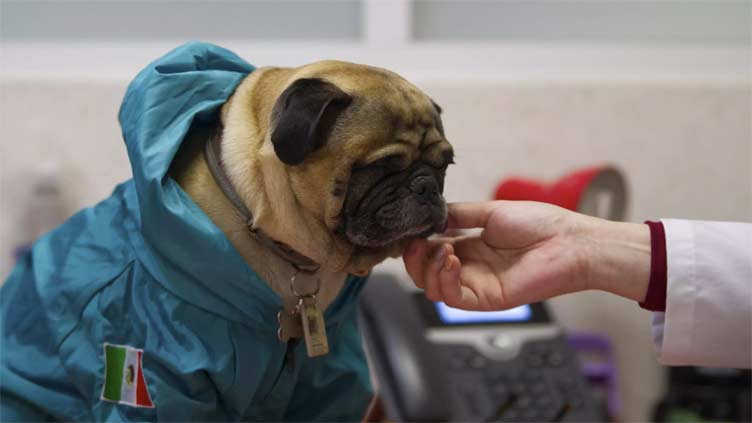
pixel 528 252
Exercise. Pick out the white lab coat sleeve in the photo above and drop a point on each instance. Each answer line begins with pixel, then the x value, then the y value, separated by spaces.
pixel 708 317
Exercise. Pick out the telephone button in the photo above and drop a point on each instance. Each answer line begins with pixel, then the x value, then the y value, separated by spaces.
pixel 538 388
pixel 460 356
pixel 496 374
pixel 510 415
pixel 555 359
pixel 523 401
pixel 500 392
pixel 535 361
pixel 543 401
pixel 518 388
pixel 533 375
pixel 477 362
pixel 530 415
pixel 575 400
pixel 457 363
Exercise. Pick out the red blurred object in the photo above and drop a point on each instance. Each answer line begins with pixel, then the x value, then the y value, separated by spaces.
pixel 598 191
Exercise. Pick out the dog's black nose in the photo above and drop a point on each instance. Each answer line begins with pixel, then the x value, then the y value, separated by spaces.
pixel 426 188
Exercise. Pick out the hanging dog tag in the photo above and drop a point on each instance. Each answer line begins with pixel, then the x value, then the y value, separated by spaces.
pixel 314 329
pixel 289 324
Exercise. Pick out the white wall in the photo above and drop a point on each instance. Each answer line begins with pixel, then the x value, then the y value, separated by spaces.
pixel 685 148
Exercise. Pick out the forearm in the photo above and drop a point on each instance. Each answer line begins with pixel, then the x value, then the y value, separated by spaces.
pixel 619 257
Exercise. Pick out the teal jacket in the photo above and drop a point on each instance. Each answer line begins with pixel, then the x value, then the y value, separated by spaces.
pixel 148 269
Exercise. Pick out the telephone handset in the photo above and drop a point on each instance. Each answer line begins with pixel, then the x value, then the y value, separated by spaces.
pixel 436 363
pixel 405 363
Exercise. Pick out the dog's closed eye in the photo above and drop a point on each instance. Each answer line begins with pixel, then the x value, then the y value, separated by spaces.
pixel 388 163
pixel 392 161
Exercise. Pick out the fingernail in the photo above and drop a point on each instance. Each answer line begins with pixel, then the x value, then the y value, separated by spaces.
pixel 448 265
pixel 440 253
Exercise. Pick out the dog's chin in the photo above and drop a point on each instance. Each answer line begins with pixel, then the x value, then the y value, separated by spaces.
pixel 388 239
pixel 369 251
pixel 364 241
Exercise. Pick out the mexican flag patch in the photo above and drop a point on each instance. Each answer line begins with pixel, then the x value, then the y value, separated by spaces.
pixel 124 381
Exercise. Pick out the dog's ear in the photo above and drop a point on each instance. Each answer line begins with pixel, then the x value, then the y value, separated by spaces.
pixel 302 117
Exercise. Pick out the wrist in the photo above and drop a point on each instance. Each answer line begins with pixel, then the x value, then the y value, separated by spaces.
pixel 618 257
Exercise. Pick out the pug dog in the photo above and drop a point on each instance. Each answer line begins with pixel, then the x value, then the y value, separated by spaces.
pixel 312 174
pixel 339 162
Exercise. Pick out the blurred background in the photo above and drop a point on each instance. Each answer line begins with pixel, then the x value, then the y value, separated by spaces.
pixel 658 89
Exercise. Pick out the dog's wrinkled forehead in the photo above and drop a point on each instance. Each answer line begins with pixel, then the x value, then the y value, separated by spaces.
pixel 391 107
pixel 364 111
pixel 392 95
pixel 379 91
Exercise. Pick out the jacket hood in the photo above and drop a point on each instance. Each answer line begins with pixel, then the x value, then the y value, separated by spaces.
pixel 186 251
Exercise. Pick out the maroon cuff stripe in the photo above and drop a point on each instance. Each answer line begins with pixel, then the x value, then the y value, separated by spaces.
pixel 655 300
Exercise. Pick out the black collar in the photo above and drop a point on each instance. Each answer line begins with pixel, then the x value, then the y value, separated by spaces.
pixel 213 155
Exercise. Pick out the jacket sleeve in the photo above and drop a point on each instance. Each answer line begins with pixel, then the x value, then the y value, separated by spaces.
pixel 708 317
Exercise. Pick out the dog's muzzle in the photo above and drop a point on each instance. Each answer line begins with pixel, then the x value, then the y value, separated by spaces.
pixel 401 205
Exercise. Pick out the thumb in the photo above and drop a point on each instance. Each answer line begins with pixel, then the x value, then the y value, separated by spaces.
pixel 470 215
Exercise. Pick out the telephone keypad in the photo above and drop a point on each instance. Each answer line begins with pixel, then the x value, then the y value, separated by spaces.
pixel 541 384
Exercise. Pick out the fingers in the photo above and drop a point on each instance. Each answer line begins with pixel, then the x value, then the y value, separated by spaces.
pixel 436 266
pixel 451 290
pixel 432 267
pixel 440 279
pixel 414 257
pixel 470 215
pixel 417 257
pixel 437 269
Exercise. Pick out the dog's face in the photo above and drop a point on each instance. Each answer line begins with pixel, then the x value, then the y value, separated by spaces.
pixel 366 154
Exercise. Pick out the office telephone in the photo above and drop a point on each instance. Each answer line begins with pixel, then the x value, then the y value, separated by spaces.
pixel 436 363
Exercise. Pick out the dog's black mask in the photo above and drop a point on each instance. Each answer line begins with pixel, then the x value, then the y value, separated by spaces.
pixel 384 205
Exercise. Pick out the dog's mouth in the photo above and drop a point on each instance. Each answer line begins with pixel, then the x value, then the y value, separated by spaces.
pixel 379 231
pixel 423 231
